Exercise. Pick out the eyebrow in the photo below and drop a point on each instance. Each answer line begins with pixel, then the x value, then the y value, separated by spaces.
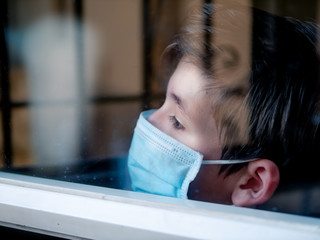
pixel 181 104
pixel 177 100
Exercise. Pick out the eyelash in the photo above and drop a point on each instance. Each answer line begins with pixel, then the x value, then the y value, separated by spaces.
pixel 175 123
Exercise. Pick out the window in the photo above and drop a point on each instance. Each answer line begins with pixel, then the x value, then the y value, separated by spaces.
pixel 74 77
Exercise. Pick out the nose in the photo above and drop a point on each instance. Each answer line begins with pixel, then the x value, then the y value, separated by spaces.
pixel 154 118
pixel 158 120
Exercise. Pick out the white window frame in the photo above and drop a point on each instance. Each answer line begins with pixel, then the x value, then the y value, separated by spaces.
pixel 78 211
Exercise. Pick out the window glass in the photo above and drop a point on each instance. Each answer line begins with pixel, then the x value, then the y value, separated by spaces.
pixel 77 74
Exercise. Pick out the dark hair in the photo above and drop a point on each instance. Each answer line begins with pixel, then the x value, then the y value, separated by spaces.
pixel 283 96
pixel 281 91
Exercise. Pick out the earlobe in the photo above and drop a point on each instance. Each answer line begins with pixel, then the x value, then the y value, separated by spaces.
pixel 257 184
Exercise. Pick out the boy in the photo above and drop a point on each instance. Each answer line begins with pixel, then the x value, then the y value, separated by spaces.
pixel 262 120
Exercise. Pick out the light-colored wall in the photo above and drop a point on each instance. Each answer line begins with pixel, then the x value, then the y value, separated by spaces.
pixel 119 28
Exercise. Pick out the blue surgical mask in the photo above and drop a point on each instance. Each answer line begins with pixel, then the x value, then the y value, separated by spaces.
pixel 161 165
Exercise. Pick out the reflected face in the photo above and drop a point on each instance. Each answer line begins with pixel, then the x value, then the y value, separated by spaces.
pixel 187 116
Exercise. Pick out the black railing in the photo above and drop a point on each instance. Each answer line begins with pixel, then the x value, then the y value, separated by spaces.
pixel 5 87
pixel 80 73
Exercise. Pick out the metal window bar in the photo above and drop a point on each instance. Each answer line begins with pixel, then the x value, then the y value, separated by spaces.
pixel 81 98
pixel 5 88
pixel 147 40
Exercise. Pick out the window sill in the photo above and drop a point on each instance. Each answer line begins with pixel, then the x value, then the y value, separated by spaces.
pixel 80 211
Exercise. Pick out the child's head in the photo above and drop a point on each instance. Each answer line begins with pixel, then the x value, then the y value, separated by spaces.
pixel 227 104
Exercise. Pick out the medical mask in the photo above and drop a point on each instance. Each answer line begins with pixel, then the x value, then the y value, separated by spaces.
pixel 161 165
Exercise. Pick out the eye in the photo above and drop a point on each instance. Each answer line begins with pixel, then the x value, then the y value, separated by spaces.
pixel 175 123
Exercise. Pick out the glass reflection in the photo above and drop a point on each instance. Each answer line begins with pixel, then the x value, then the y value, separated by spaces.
pixel 79 79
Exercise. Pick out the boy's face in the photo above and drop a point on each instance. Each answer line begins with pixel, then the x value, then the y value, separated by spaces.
pixel 187 116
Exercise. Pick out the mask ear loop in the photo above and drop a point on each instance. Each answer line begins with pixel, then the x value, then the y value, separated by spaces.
pixel 208 162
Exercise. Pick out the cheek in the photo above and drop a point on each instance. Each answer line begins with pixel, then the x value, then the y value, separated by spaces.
pixel 206 137
pixel 211 149
pixel 207 144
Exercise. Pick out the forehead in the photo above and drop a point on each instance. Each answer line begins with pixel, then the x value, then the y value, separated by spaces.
pixel 187 80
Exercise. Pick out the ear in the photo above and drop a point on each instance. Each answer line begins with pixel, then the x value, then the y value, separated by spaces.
pixel 257 184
